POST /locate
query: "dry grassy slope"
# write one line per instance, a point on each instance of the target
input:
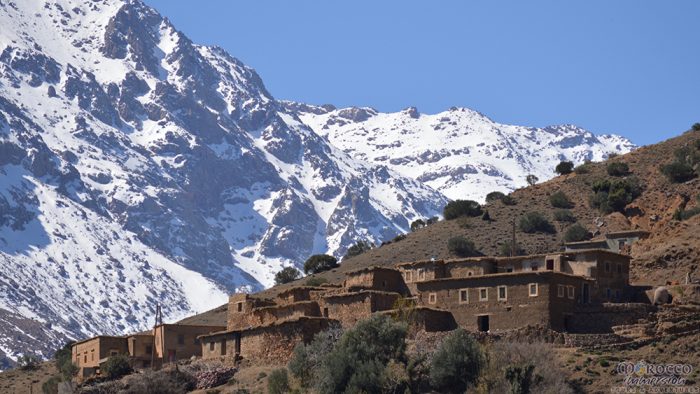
(671, 250)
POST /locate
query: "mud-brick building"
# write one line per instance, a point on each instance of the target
(174, 342)
(90, 353)
(618, 242)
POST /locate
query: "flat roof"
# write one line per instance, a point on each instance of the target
(273, 324)
(101, 336)
(359, 293)
(504, 275)
(370, 268)
(626, 232)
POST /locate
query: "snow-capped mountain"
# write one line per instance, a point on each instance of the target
(459, 152)
(138, 168)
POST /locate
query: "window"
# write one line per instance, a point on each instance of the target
(570, 291)
(223, 347)
(149, 349)
(607, 266)
(432, 298)
(509, 268)
(85, 359)
(534, 291)
(421, 274)
(502, 293)
(469, 273)
(560, 291)
(534, 267)
(608, 292)
(113, 352)
(409, 276)
(618, 295)
(240, 306)
(383, 283)
(619, 268)
(211, 346)
(483, 294)
(463, 296)
(550, 264)
(92, 356)
(180, 339)
(196, 341)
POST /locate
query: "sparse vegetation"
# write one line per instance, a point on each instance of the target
(459, 208)
(357, 249)
(508, 200)
(577, 233)
(432, 220)
(316, 281)
(399, 237)
(417, 224)
(494, 196)
(535, 222)
(64, 362)
(696, 127)
(559, 199)
(116, 366)
(564, 215)
(686, 165)
(613, 196)
(307, 360)
(286, 275)
(584, 168)
(462, 247)
(617, 168)
(509, 249)
(564, 167)
(278, 382)
(486, 216)
(457, 363)
(531, 179)
(28, 362)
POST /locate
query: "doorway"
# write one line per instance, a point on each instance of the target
(482, 322)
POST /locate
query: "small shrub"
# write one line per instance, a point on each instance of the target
(306, 361)
(432, 220)
(399, 237)
(560, 200)
(506, 249)
(685, 214)
(696, 127)
(51, 386)
(458, 208)
(613, 196)
(457, 363)
(564, 215)
(27, 362)
(618, 168)
(418, 224)
(678, 172)
(531, 179)
(116, 366)
(486, 216)
(286, 275)
(495, 196)
(521, 378)
(508, 200)
(462, 247)
(64, 362)
(316, 281)
(278, 382)
(171, 381)
(584, 168)
(576, 233)
(357, 249)
(319, 263)
(564, 167)
(535, 222)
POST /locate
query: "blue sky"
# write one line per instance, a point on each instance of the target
(625, 67)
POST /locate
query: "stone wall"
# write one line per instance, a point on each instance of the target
(271, 314)
(602, 317)
(178, 341)
(375, 278)
(349, 308)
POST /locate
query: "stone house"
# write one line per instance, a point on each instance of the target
(618, 242)
(89, 354)
(174, 342)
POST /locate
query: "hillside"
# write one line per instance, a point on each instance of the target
(668, 254)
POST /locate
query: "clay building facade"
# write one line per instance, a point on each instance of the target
(174, 342)
(89, 354)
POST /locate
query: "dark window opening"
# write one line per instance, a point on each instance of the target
(550, 265)
(180, 339)
(223, 347)
(325, 312)
(149, 349)
(483, 323)
(211, 346)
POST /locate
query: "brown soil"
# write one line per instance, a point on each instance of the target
(26, 381)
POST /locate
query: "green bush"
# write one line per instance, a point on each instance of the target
(531, 179)
(359, 359)
(399, 237)
(507, 248)
(51, 386)
(521, 378)
(278, 382)
(457, 363)
(584, 168)
(564, 167)
(116, 366)
(357, 249)
(306, 361)
(535, 222)
(64, 362)
(170, 381)
(696, 127)
(458, 208)
(486, 216)
(613, 196)
(432, 220)
(462, 247)
(495, 196)
(576, 233)
(319, 263)
(678, 172)
(508, 200)
(618, 168)
(559, 199)
(316, 281)
(564, 215)
(286, 275)
(418, 224)
(685, 214)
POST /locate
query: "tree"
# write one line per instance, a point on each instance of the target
(462, 247)
(584, 168)
(611, 196)
(678, 172)
(576, 233)
(316, 281)
(320, 262)
(486, 216)
(559, 199)
(618, 168)
(286, 275)
(535, 222)
(307, 359)
(696, 127)
(457, 363)
(564, 215)
(278, 382)
(417, 224)
(357, 249)
(494, 196)
(64, 361)
(432, 220)
(521, 378)
(458, 208)
(359, 359)
(531, 179)
(116, 366)
(28, 362)
(564, 167)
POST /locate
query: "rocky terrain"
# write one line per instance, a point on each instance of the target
(138, 168)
